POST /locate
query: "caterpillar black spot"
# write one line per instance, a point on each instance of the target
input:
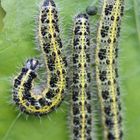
(107, 68)
(81, 111)
(42, 100)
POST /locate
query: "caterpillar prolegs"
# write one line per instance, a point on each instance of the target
(81, 112)
(41, 101)
(107, 68)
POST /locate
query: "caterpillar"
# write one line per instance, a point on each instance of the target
(29, 98)
(81, 111)
(106, 68)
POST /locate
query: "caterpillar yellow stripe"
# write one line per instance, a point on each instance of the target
(81, 111)
(45, 98)
(107, 68)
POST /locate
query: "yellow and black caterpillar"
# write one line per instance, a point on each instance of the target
(106, 68)
(41, 101)
(81, 111)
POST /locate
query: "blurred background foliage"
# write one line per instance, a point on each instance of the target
(17, 43)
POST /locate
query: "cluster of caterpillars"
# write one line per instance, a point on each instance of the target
(40, 101)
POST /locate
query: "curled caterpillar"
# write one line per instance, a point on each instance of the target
(81, 111)
(107, 68)
(41, 101)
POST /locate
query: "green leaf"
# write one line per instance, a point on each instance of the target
(17, 43)
(130, 67)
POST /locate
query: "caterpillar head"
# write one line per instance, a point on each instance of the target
(32, 64)
(82, 15)
(49, 3)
